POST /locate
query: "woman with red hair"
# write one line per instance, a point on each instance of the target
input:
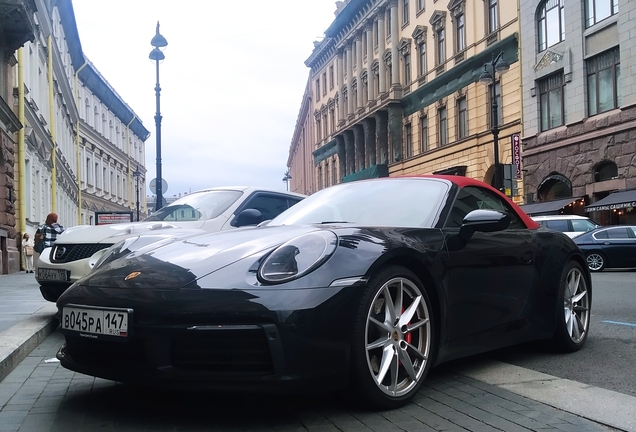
(46, 235)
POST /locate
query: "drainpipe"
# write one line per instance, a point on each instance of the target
(52, 127)
(130, 182)
(78, 150)
(21, 151)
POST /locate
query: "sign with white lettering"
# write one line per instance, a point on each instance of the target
(516, 153)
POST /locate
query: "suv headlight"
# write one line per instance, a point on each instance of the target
(297, 257)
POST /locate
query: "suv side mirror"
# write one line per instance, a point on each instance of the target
(247, 217)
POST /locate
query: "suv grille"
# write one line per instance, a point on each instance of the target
(67, 253)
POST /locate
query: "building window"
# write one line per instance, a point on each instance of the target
(423, 134)
(550, 23)
(605, 171)
(331, 80)
(387, 20)
(408, 140)
(441, 49)
(460, 33)
(603, 82)
(421, 67)
(598, 10)
(332, 119)
(405, 12)
(420, 5)
(551, 101)
(327, 176)
(318, 88)
(462, 118)
(318, 129)
(493, 16)
(442, 126)
(320, 179)
(407, 68)
(324, 83)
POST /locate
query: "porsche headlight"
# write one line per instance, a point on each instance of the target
(297, 257)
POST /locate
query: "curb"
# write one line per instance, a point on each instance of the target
(20, 339)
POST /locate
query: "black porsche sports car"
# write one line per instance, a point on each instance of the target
(363, 286)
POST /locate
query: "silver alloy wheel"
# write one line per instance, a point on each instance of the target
(595, 261)
(398, 337)
(576, 302)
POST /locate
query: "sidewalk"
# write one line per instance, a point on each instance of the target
(480, 395)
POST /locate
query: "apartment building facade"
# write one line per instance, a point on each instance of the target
(395, 90)
(78, 142)
(579, 129)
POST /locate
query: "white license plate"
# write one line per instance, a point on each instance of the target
(54, 275)
(107, 322)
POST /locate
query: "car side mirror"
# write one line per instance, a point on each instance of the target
(484, 221)
(247, 217)
(477, 220)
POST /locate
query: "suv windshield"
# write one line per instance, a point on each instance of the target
(197, 206)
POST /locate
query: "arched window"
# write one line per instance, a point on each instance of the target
(554, 186)
(104, 130)
(87, 110)
(606, 170)
(96, 118)
(550, 23)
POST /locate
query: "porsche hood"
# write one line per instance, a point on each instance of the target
(174, 264)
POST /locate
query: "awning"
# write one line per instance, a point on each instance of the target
(374, 171)
(547, 207)
(614, 201)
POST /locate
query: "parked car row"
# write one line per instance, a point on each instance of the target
(362, 286)
(604, 247)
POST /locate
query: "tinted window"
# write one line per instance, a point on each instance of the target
(270, 206)
(473, 198)
(617, 233)
(601, 235)
(559, 225)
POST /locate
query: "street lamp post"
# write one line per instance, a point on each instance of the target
(498, 66)
(136, 175)
(286, 178)
(157, 55)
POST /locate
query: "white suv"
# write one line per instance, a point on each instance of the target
(572, 225)
(76, 251)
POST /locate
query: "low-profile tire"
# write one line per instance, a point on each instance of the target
(393, 341)
(573, 309)
(595, 261)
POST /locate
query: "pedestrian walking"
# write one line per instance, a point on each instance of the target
(27, 253)
(46, 235)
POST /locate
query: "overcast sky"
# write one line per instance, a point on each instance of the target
(231, 83)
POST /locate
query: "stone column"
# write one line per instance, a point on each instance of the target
(368, 125)
(395, 131)
(395, 64)
(382, 138)
(350, 152)
(342, 158)
(381, 48)
(359, 98)
(358, 139)
(340, 77)
(369, 30)
(349, 77)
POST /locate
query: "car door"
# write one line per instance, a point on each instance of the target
(618, 244)
(489, 280)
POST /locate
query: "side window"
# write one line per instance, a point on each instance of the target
(475, 198)
(582, 225)
(269, 205)
(559, 225)
(618, 233)
(600, 235)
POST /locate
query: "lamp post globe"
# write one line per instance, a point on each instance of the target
(158, 42)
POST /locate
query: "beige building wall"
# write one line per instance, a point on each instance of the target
(364, 101)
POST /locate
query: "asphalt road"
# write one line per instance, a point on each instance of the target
(608, 358)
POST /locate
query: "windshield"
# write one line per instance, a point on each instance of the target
(395, 202)
(197, 206)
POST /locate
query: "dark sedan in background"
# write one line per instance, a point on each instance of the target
(362, 286)
(609, 247)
